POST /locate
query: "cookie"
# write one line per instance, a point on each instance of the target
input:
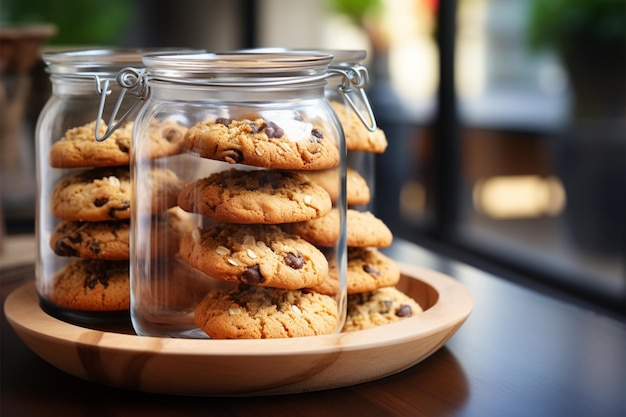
(160, 186)
(108, 240)
(79, 148)
(357, 190)
(162, 138)
(363, 229)
(294, 145)
(94, 195)
(358, 137)
(104, 194)
(166, 230)
(368, 270)
(92, 285)
(249, 312)
(261, 255)
(257, 196)
(377, 308)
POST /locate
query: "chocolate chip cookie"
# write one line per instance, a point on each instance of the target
(357, 190)
(256, 196)
(161, 138)
(92, 285)
(249, 312)
(102, 194)
(363, 229)
(379, 307)
(79, 148)
(368, 269)
(108, 240)
(358, 137)
(95, 195)
(260, 255)
(291, 144)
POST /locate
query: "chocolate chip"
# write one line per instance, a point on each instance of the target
(94, 247)
(294, 261)
(124, 206)
(97, 277)
(123, 146)
(77, 238)
(316, 133)
(388, 304)
(233, 156)
(404, 311)
(63, 249)
(371, 270)
(252, 276)
(99, 202)
(172, 135)
(272, 130)
(223, 121)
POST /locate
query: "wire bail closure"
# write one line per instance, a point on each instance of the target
(130, 79)
(133, 80)
(356, 77)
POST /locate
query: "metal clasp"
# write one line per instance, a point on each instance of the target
(356, 78)
(130, 79)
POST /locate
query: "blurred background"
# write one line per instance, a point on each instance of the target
(505, 118)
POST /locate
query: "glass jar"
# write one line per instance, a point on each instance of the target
(83, 187)
(363, 138)
(255, 248)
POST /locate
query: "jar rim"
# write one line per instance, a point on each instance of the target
(235, 65)
(340, 56)
(101, 61)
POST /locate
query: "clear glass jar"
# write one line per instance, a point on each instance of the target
(83, 188)
(363, 138)
(242, 263)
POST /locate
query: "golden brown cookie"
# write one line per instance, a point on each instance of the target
(256, 196)
(108, 240)
(263, 143)
(358, 137)
(162, 138)
(363, 229)
(95, 195)
(249, 312)
(92, 285)
(80, 149)
(160, 186)
(102, 194)
(357, 190)
(383, 306)
(368, 269)
(261, 255)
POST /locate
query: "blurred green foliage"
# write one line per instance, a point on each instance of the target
(560, 24)
(78, 22)
(356, 10)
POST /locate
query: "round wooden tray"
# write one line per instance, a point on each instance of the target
(246, 367)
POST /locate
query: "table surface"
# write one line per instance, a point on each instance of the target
(520, 353)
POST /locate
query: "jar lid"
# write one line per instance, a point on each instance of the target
(92, 61)
(236, 67)
(340, 56)
(105, 62)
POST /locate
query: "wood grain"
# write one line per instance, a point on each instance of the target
(246, 367)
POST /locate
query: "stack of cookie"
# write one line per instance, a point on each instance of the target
(91, 205)
(373, 299)
(243, 240)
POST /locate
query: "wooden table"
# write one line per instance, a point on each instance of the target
(520, 353)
